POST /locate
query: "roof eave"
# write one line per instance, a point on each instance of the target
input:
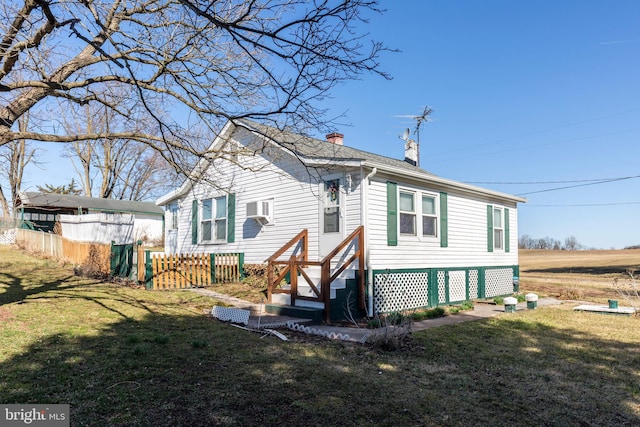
(323, 163)
(459, 186)
(170, 197)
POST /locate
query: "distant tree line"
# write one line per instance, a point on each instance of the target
(570, 243)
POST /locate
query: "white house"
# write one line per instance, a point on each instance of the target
(422, 240)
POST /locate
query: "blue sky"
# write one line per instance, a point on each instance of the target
(522, 92)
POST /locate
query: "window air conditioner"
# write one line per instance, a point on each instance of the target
(260, 211)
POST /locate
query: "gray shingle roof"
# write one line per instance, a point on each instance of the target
(310, 149)
(52, 200)
(317, 149)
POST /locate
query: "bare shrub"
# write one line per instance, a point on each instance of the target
(255, 275)
(350, 307)
(259, 270)
(393, 331)
(93, 265)
(572, 293)
(629, 290)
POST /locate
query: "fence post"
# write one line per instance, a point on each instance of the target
(139, 257)
(148, 274)
(213, 268)
(241, 265)
(112, 259)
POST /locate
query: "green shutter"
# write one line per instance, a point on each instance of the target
(489, 228)
(444, 221)
(194, 222)
(506, 230)
(231, 218)
(392, 214)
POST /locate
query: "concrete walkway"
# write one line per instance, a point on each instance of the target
(266, 320)
(480, 311)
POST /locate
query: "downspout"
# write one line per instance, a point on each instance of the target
(365, 220)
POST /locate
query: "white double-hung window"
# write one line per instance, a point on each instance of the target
(498, 229)
(407, 213)
(411, 212)
(213, 223)
(429, 216)
(172, 224)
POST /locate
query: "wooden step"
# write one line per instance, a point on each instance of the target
(311, 313)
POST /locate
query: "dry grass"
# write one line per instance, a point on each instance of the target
(587, 275)
(249, 290)
(122, 356)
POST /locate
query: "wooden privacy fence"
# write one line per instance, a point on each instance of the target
(164, 271)
(95, 256)
(92, 256)
(155, 270)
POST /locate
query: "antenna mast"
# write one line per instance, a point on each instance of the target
(419, 121)
(424, 117)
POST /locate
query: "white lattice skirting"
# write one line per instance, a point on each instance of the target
(406, 290)
(8, 237)
(400, 291)
(230, 314)
(498, 281)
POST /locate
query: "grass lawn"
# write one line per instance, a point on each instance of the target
(122, 356)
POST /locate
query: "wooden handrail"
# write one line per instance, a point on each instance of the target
(273, 260)
(327, 277)
(300, 236)
(293, 264)
(344, 243)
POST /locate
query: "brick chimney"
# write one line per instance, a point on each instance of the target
(335, 138)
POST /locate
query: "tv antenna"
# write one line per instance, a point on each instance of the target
(420, 120)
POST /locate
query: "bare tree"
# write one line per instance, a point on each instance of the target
(115, 168)
(526, 242)
(182, 62)
(4, 205)
(572, 244)
(14, 158)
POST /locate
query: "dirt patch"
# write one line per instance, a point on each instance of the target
(5, 314)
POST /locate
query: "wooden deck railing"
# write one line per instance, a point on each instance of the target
(327, 277)
(297, 261)
(275, 275)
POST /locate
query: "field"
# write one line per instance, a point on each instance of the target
(586, 275)
(123, 356)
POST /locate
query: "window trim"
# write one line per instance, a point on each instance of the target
(498, 243)
(172, 224)
(505, 216)
(418, 214)
(434, 215)
(213, 220)
(413, 214)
